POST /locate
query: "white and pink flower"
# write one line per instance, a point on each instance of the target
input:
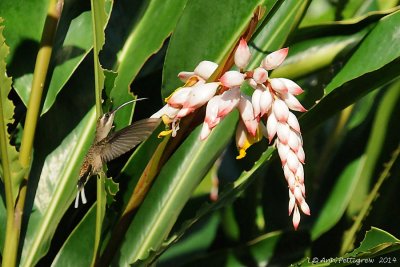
(267, 112)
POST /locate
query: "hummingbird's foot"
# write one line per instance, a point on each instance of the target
(81, 192)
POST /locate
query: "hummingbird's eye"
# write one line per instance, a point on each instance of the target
(107, 115)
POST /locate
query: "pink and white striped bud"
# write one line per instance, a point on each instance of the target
(185, 75)
(272, 125)
(260, 75)
(265, 102)
(296, 217)
(292, 87)
(212, 118)
(205, 69)
(179, 97)
(167, 110)
(281, 110)
(198, 96)
(293, 141)
(228, 101)
(217, 108)
(273, 60)
(247, 114)
(278, 86)
(205, 131)
(242, 54)
(255, 101)
(293, 122)
(283, 151)
(292, 102)
(283, 132)
(232, 79)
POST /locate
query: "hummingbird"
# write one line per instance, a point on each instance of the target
(106, 146)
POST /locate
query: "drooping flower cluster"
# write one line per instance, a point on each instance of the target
(266, 113)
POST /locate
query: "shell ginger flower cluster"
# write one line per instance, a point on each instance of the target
(267, 112)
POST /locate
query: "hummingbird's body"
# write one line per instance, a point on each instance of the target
(107, 146)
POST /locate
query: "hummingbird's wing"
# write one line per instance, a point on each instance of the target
(127, 138)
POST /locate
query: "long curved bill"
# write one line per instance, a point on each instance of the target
(126, 103)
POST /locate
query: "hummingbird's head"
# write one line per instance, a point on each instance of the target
(105, 122)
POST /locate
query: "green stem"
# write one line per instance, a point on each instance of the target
(14, 216)
(351, 233)
(98, 24)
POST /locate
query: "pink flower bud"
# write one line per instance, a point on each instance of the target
(260, 75)
(212, 112)
(273, 60)
(272, 124)
(305, 208)
(292, 161)
(240, 135)
(283, 132)
(300, 174)
(293, 122)
(301, 155)
(292, 202)
(265, 102)
(293, 141)
(232, 79)
(185, 75)
(247, 114)
(198, 96)
(293, 103)
(255, 101)
(298, 194)
(278, 86)
(242, 54)
(296, 218)
(205, 131)
(167, 110)
(292, 87)
(288, 174)
(179, 97)
(283, 151)
(205, 69)
(280, 110)
(228, 101)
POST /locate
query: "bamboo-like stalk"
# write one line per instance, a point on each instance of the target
(14, 216)
(98, 22)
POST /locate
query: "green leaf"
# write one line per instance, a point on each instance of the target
(112, 189)
(77, 44)
(171, 190)
(225, 198)
(349, 91)
(312, 55)
(376, 242)
(203, 33)
(276, 28)
(56, 189)
(145, 39)
(339, 198)
(370, 56)
(16, 14)
(3, 222)
(360, 170)
(11, 168)
(78, 248)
